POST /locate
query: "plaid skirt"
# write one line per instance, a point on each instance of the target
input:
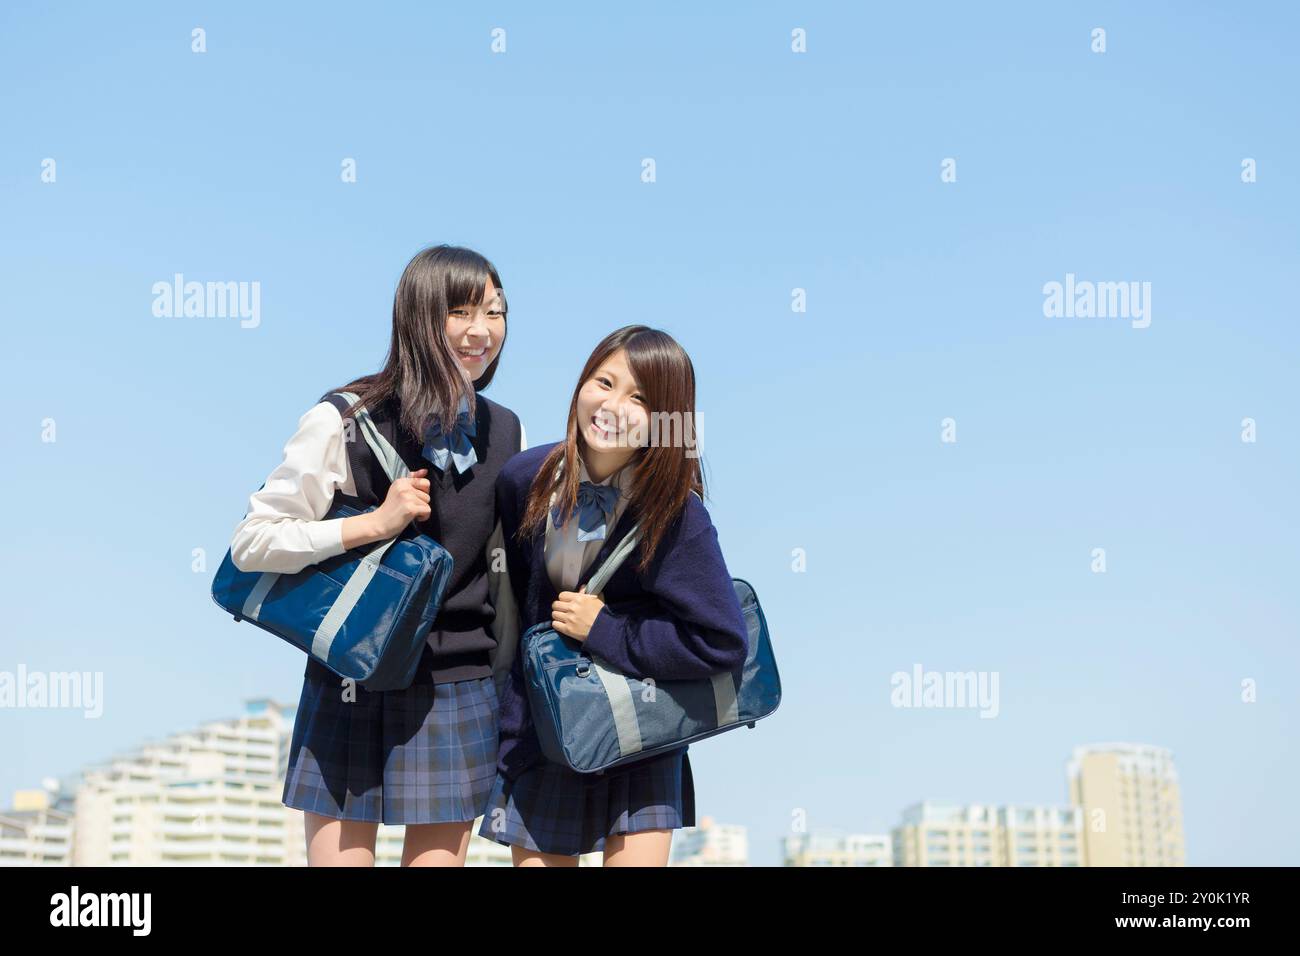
(550, 809)
(425, 754)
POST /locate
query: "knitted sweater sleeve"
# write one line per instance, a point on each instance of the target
(692, 625)
(518, 746)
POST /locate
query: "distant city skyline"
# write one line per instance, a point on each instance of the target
(211, 796)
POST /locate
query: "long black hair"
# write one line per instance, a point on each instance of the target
(422, 372)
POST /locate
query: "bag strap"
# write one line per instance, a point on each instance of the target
(618, 690)
(618, 556)
(366, 569)
(368, 566)
(614, 561)
(387, 455)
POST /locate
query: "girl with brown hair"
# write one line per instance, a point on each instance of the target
(669, 612)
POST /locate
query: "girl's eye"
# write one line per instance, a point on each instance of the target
(496, 313)
(456, 312)
(640, 398)
(603, 381)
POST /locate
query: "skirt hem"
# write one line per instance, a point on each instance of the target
(519, 840)
(366, 818)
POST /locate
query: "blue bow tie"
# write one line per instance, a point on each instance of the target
(595, 510)
(439, 446)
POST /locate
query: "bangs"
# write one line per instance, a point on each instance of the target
(660, 368)
(464, 280)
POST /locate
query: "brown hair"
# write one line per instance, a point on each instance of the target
(422, 371)
(664, 476)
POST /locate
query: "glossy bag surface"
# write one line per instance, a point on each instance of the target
(365, 614)
(379, 640)
(589, 717)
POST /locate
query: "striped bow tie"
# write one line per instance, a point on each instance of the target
(595, 510)
(441, 446)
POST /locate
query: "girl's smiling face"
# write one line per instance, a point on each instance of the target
(612, 413)
(477, 331)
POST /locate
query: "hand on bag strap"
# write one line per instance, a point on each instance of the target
(368, 566)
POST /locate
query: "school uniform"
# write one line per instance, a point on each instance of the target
(681, 619)
(426, 753)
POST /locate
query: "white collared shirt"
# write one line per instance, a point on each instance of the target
(566, 557)
(285, 529)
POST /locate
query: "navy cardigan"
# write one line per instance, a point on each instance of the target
(681, 619)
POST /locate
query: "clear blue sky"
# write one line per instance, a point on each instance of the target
(775, 171)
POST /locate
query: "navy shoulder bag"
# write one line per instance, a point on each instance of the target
(365, 614)
(590, 717)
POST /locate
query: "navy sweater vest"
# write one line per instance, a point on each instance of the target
(464, 516)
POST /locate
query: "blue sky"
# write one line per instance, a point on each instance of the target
(821, 429)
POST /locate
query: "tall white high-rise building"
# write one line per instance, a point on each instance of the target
(1132, 806)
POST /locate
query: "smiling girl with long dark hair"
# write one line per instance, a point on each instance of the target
(423, 756)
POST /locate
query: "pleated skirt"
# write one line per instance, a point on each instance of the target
(550, 809)
(425, 754)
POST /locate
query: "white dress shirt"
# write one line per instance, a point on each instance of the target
(285, 529)
(566, 557)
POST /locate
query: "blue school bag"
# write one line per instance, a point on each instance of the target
(590, 717)
(365, 614)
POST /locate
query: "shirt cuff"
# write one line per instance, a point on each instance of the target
(326, 538)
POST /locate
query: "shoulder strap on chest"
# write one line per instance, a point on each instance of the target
(380, 446)
(619, 555)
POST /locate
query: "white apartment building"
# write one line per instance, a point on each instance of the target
(710, 844)
(824, 849)
(1131, 803)
(945, 834)
(37, 831)
(211, 797)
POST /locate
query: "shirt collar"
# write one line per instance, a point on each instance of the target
(621, 479)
